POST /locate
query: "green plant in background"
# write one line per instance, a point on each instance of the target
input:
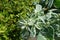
(56, 3)
(50, 4)
(10, 12)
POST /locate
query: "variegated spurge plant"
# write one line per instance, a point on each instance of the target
(40, 25)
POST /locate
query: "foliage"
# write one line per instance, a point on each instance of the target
(56, 3)
(19, 20)
(10, 11)
(47, 24)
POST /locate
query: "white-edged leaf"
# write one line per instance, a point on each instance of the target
(41, 37)
(38, 8)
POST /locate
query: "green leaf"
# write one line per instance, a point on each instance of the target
(57, 3)
(41, 37)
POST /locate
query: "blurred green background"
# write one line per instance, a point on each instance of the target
(10, 12)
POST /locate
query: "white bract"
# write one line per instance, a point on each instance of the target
(38, 8)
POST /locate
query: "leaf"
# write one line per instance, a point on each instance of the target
(57, 3)
(38, 8)
(41, 37)
(33, 32)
